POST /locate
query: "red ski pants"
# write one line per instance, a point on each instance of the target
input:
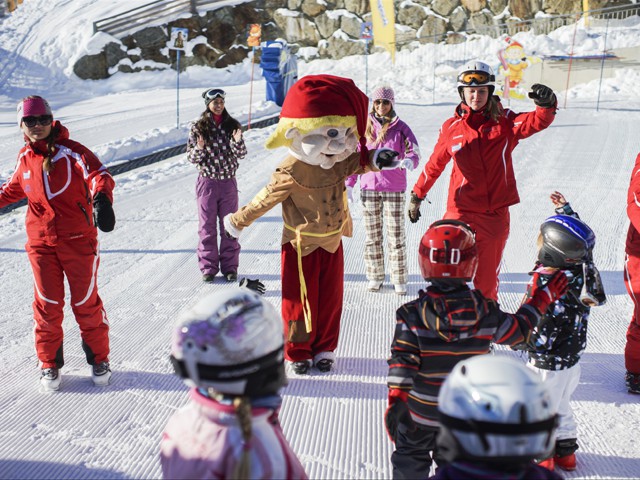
(78, 260)
(492, 231)
(324, 278)
(632, 282)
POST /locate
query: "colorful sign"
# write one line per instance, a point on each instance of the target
(366, 30)
(253, 37)
(178, 38)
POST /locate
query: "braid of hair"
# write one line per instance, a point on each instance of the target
(242, 407)
(47, 165)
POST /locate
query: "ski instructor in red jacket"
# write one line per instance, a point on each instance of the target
(480, 138)
(69, 193)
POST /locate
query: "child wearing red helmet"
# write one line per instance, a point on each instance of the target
(447, 323)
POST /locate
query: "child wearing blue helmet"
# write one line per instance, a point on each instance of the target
(557, 342)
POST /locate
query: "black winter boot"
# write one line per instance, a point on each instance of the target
(633, 382)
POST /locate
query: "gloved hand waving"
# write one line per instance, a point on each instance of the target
(544, 295)
(103, 215)
(542, 95)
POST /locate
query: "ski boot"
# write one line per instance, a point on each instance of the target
(50, 379)
(547, 463)
(568, 462)
(565, 457)
(324, 365)
(301, 367)
(101, 374)
(632, 381)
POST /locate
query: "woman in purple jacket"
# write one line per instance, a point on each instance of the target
(383, 193)
(215, 145)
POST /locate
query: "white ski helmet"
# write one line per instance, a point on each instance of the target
(476, 74)
(494, 409)
(231, 341)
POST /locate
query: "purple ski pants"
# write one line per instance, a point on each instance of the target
(216, 198)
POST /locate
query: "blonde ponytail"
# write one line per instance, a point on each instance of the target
(242, 407)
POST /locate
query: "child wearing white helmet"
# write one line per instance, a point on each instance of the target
(496, 416)
(229, 348)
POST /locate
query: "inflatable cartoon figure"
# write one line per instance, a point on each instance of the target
(323, 119)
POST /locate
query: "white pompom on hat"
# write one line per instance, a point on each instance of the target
(32, 106)
(383, 92)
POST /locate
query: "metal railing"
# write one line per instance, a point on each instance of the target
(154, 13)
(151, 158)
(544, 25)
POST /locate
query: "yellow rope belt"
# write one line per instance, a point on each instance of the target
(306, 309)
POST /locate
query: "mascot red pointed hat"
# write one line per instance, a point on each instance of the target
(315, 101)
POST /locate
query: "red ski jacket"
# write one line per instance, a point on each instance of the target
(482, 179)
(633, 211)
(59, 202)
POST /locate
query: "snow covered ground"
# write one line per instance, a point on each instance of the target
(148, 271)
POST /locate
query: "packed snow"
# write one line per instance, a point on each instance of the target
(148, 272)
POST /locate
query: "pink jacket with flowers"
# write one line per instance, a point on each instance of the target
(60, 203)
(203, 441)
(400, 138)
(482, 179)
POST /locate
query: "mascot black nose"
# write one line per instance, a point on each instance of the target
(332, 133)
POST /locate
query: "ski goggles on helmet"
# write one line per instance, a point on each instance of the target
(475, 77)
(42, 120)
(214, 93)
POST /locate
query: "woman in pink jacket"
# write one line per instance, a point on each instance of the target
(383, 193)
(69, 193)
(480, 138)
(230, 348)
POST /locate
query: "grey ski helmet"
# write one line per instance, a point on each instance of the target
(566, 241)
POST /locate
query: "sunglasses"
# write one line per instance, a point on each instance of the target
(476, 77)
(214, 93)
(43, 120)
(383, 102)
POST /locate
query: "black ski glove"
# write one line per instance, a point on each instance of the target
(103, 215)
(542, 96)
(255, 285)
(414, 208)
(385, 158)
(398, 414)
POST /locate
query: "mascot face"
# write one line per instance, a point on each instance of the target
(324, 146)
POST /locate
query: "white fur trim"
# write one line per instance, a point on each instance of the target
(324, 355)
(230, 227)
